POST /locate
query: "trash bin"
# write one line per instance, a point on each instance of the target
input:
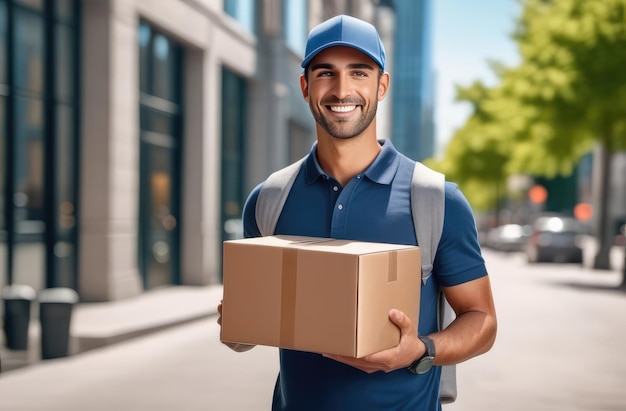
(16, 318)
(55, 315)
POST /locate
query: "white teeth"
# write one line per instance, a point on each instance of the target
(342, 109)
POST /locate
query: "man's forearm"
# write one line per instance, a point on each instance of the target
(470, 334)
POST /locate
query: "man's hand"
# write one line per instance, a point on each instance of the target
(233, 346)
(402, 355)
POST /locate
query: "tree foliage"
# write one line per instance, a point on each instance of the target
(568, 92)
(572, 72)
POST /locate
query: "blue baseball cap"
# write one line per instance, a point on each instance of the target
(345, 31)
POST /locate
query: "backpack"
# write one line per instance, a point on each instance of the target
(427, 209)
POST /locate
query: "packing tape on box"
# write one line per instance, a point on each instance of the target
(288, 297)
(288, 292)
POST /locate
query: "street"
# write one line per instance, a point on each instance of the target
(560, 347)
(560, 341)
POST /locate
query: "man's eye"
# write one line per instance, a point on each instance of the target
(360, 74)
(325, 74)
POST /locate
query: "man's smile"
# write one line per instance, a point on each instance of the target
(342, 109)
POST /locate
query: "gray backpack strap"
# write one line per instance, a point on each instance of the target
(273, 195)
(428, 209)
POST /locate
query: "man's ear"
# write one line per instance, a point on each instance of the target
(383, 86)
(304, 86)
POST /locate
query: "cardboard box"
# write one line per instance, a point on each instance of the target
(319, 295)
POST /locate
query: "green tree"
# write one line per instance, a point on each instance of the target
(572, 74)
(567, 94)
(476, 155)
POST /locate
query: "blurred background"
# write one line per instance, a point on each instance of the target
(132, 131)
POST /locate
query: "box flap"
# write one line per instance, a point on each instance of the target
(327, 245)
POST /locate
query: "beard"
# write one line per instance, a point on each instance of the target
(345, 128)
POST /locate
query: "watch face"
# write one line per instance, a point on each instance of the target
(424, 365)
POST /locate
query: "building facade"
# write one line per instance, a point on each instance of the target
(413, 130)
(131, 132)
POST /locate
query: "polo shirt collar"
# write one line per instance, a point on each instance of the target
(381, 171)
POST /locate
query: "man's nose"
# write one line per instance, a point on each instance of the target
(343, 87)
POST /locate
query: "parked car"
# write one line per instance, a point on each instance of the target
(508, 237)
(556, 239)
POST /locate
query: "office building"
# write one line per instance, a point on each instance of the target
(131, 132)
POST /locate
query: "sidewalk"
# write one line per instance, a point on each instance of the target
(96, 325)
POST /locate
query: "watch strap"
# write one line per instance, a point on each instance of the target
(425, 362)
(430, 346)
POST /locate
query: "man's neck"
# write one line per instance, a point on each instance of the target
(344, 159)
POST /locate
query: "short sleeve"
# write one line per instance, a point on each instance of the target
(459, 258)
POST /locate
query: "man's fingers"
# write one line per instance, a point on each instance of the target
(401, 320)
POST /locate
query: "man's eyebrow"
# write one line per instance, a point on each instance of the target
(361, 66)
(328, 66)
(323, 66)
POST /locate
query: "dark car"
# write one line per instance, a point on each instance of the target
(555, 239)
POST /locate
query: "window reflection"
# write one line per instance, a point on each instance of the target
(64, 10)
(164, 66)
(64, 64)
(242, 11)
(34, 4)
(30, 53)
(3, 50)
(2, 167)
(65, 176)
(3, 234)
(144, 56)
(234, 100)
(295, 23)
(29, 169)
(159, 70)
(32, 33)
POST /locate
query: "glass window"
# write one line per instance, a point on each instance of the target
(2, 166)
(64, 63)
(3, 129)
(29, 72)
(41, 206)
(162, 216)
(29, 248)
(65, 152)
(157, 122)
(3, 42)
(64, 10)
(165, 68)
(62, 249)
(65, 219)
(234, 102)
(242, 11)
(295, 23)
(145, 33)
(160, 59)
(29, 161)
(33, 4)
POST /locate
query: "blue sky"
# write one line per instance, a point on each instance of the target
(466, 35)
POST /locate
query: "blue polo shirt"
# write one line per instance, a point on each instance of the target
(373, 206)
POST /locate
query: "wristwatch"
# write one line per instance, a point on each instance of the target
(425, 362)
